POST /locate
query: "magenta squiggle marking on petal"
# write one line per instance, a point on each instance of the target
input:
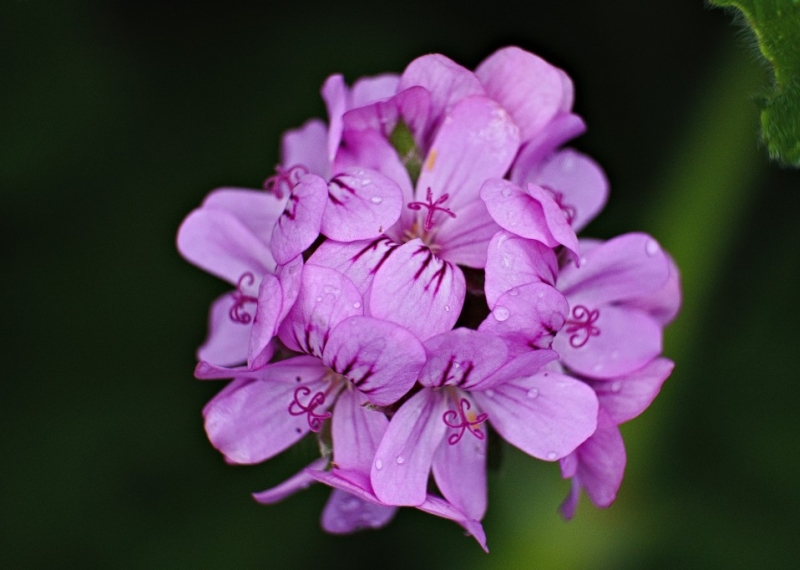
(237, 312)
(296, 408)
(292, 203)
(433, 207)
(284, 179)
(451, 416)
(582, 328)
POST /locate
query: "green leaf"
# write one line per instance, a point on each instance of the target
(776, 24)
(403, 142)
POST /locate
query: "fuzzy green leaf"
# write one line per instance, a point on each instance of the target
(776, 24)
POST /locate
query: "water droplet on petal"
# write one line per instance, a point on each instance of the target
(356, 305)
(616, 386)
(597, 367)
(501, 313)
(651, 248)
(349, 504)
(330, 289)
(552, 455)
(378, 464)
(376, 199)
(489, 393)
(447, 308)
(513, 292)
(506, 192)
(319, 299)
(365, 181)
(456, 365)
(568, 163)
(533, 393)
(400, 460)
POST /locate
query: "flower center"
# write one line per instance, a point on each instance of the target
(237, 312)
(463, 419)
(581, 326)
(284, 179)
(432, 207)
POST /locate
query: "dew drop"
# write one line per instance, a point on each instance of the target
(349, 504)
(651, 248)
(568, 163)
(513, 292)
(541, 295)
(616, 386)
(376, 199)
(319, 299)
(400, 460)
(378, 464)
(506, 192)
(456, 365)
(552, 455)
(365, 181)
(447, 308)
(490, 393)
(330, 289)
(501, 313)
(533, 393)
(356, 305)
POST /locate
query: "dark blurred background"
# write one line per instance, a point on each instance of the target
(116, 118)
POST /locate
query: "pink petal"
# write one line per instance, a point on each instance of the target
(629, 266)
(460, 472)
(527, 317)
(560, 130)
(257, 210)
(663, 305)
(417, 290)
(345, 513)
(622, 341)
(528, 87)
(367, 90)
(461, 357)
(334, 92)
(216, 241)
(601, 465)
(359, 261)
(307, 146)
(249, 420)
(465, 239)
(514, 261)
(403, 459)
(446, 81)
(626, 397)
(380, 358)
(579, 182)
(546, 415)
(293, 484)
(326, 298)
(266, 321)
(362, 204)
(524, 365)
(357, 430)
(531, 214)
(477, 141)
(441, 508)
(227, 340)
(299, 225)
(412, 106)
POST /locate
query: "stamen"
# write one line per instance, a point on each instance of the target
(237, 313)
(582, 327)
(450, 418)
(433, 207)
(296, 408)
(284, 179)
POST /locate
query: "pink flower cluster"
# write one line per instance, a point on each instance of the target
(410, 278)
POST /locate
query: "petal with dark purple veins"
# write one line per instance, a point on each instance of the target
(361, 205)
(464, 240)
(381, 358)
(326, 298)
(461, 357)
(416, 289)
(299, 225)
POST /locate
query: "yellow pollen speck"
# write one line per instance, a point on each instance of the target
(471, 417)
(431, 160)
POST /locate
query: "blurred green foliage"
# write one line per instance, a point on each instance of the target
(117, 118)
(776, 25)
